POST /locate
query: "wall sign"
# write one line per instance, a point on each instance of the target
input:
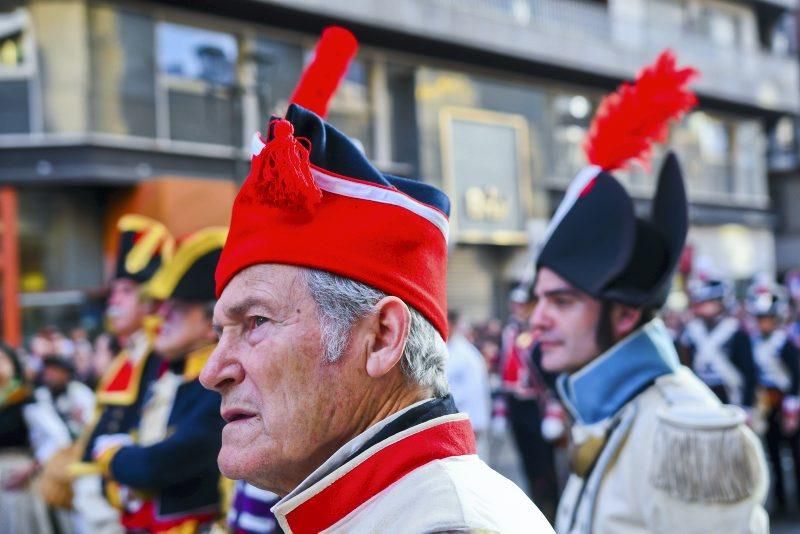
(486, 162)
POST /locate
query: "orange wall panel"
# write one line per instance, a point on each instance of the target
(184, 205)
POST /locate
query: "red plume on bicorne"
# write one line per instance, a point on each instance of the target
(634, 117)
(335, 49)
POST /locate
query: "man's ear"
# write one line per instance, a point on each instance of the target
(390, 324)
(624, 320)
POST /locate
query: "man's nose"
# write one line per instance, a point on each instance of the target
(540, 319)
(223, 368)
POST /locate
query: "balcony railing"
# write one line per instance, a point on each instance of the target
(543, 15)
(587, 36)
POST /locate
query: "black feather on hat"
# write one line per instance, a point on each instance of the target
(595, 241)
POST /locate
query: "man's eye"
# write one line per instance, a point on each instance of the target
(257, 320)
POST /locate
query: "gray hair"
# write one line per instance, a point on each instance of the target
(341, 302)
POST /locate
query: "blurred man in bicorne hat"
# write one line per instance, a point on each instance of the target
(143, 245)
(167, 478)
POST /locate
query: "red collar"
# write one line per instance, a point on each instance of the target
(331, 499)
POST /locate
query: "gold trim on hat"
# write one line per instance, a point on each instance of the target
(197, 245)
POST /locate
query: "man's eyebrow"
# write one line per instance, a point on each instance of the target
(561, 292)
(241, 308)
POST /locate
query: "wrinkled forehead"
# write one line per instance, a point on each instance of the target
(267, 283)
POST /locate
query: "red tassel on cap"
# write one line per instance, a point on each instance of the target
(332, 56)
(281, 172)
(630, 120)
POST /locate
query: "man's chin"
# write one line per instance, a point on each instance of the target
(554, 361)
(235, 465)
(230, 463)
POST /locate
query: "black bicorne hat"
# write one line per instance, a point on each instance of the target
(189, 275)
(603, 249)
(595, 241)
(144, 244)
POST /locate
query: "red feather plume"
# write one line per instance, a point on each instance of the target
(634, 117)
(335, 49)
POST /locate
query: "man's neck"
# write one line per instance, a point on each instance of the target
(374, 407)
(392, 405)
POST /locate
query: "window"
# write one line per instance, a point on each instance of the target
(350, 108)
(16, 69)
(572, 116)
(750, 154)
(190, 53)
(278, 68)
(122, 85)
(11, 54)
(725, 26)
(60, 236)
(704, 144)
(403, 120)
(783, 146)
(783, 35)
(198, 76)
(723, 158)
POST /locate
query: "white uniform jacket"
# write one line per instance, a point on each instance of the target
(670, 459)
(414, 472)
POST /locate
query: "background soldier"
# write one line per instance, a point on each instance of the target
(168, 479)
(468, 379)
(72, 400)
(778, 363)
(716, 347)
(143, 245)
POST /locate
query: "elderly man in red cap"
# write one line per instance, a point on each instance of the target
(332, 317)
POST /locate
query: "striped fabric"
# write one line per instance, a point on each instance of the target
(250, 512)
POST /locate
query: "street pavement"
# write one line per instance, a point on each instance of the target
(502, 456)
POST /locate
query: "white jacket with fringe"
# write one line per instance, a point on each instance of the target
(674, 461)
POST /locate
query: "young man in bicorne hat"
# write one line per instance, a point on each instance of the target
(654, 449)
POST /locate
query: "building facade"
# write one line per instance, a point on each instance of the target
(489, 99)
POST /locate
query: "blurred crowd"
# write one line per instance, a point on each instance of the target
(745, 348)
